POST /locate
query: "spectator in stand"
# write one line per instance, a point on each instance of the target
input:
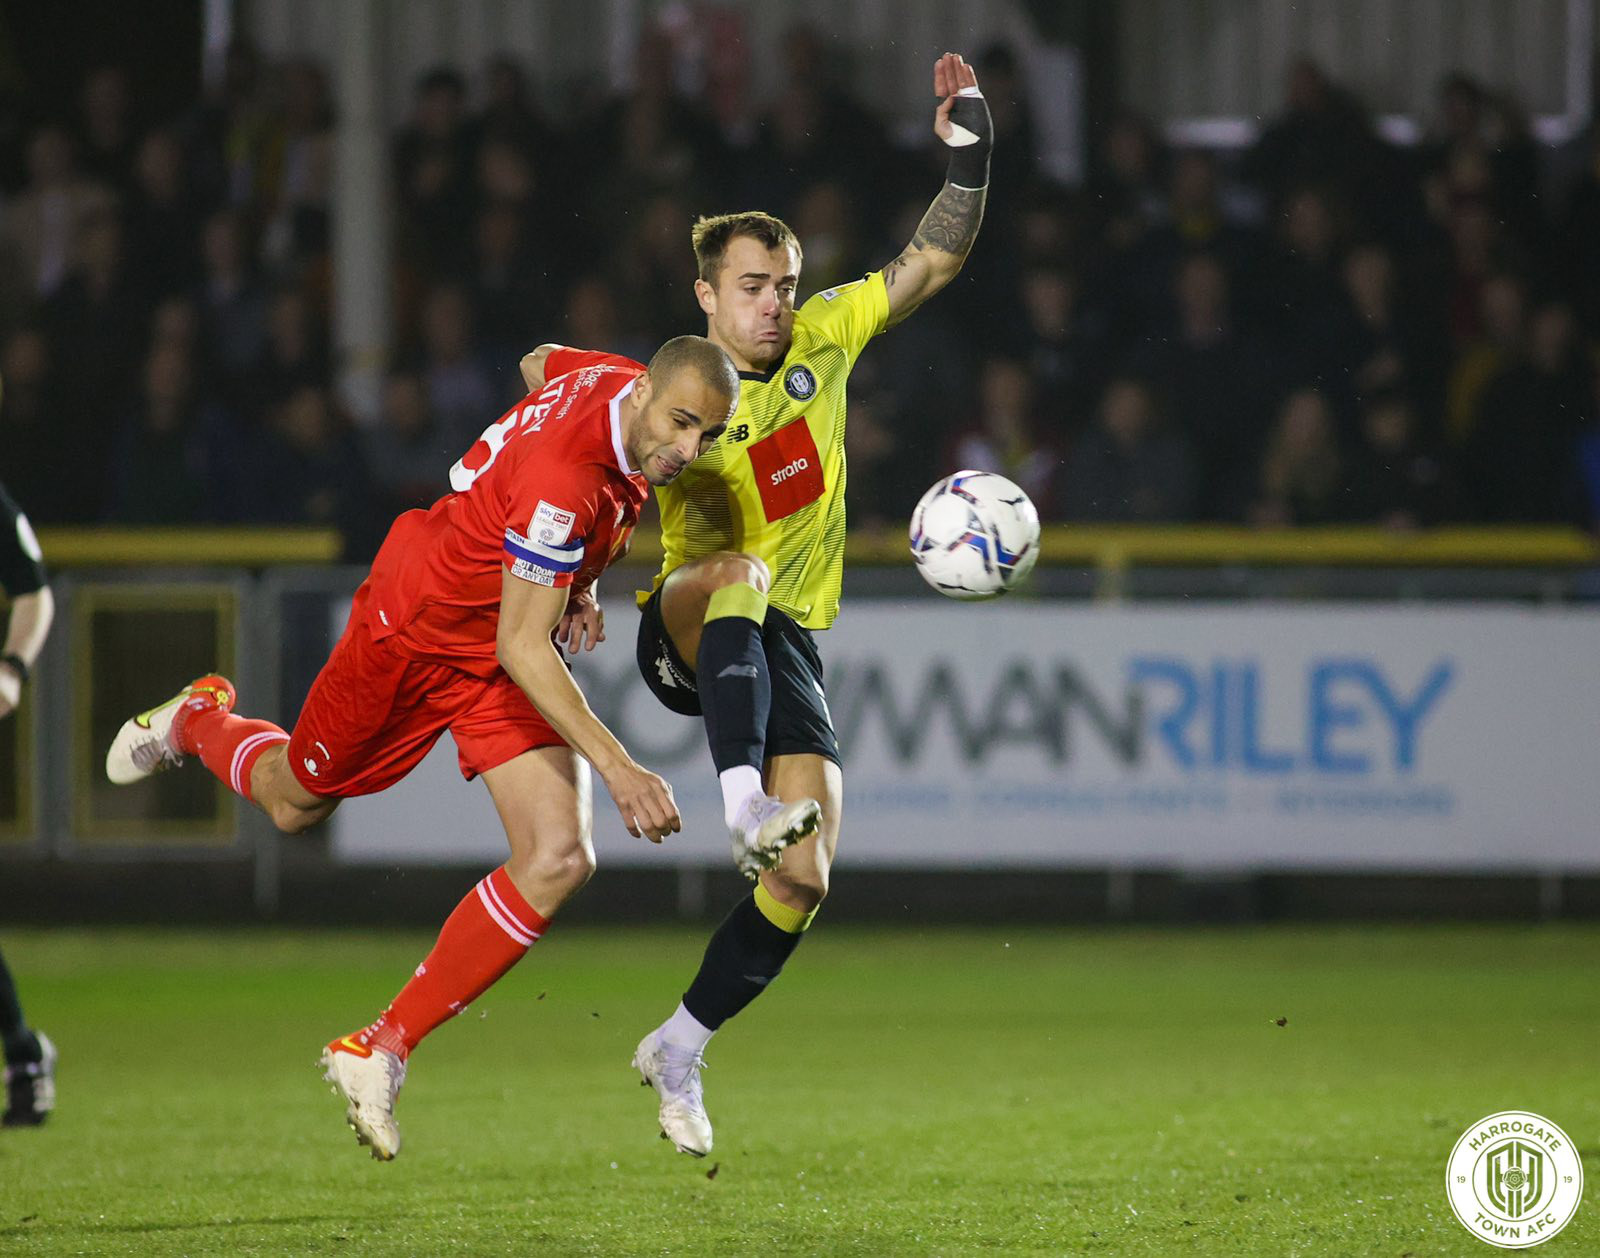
(1580, 228)
(510, 114)
(1004, 439)
(933, 361)
(407, 453)
(233, 308)
(1503, 323)
(1014, 166)
(1065, 342)
(1217, 380)
(885, 479)
(1379, 348)
(1194, 221)
(229, 133)
(36, 442)
(658, 271)
(1475, 255)
(1475, 130)
(295, 354)
(1127, 188)
(1521, 459)
(176, 324)
(510, 283)
(41, 226)
(505, 177)
(994, 267)
(590, 318)
(1396, 479)
(161, 221)
(1303, 297)
(1130, 468)
(297, 174)
(1322, 138)
(107, 138)
(95, 322)
(464, 398)
(655, 137)
(161, 464)
(311, 472)
(816, 128)
(834, 253)
(509, 183)
(1047, 227)
(1302, 478)
(434, 168)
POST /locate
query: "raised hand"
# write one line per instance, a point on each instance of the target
(950, 75)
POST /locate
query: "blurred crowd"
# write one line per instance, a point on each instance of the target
(1322, 328)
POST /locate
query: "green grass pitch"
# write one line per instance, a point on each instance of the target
(898, 1092)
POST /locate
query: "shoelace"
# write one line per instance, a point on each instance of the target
(757, 811)
(687, 1066)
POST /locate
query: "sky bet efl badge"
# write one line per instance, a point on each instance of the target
(1514, 1179)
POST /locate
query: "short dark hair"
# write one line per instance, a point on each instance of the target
(711, 237)
(700, 355)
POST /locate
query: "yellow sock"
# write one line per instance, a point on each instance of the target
(737, 599)
(790, 921)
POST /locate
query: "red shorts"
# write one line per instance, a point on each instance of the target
(373, 714)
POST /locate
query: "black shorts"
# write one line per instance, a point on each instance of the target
(798, 723)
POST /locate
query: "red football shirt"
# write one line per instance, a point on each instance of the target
(545, 492)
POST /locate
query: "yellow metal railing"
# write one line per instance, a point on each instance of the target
(230, 547)
(1108, 547)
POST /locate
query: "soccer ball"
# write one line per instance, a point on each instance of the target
(974, 535)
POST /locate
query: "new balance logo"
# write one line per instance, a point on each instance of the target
(739, 432)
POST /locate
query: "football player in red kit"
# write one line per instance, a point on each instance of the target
(457, 627)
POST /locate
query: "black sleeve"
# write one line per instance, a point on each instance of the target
(21, 564)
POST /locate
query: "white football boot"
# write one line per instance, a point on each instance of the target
(31, 1088)
(369, 1079)
(765, 826)
(148, 743)
(675, 1074)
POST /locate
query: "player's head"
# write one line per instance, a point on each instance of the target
(749, 267)
(680, 406)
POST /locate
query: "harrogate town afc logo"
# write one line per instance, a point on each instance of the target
(800, 383)
(1514, 1179)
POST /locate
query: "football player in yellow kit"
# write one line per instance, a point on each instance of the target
(754, 536)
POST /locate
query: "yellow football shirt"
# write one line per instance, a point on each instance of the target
(773, 485)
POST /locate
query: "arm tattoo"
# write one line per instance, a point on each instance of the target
(892, 271)
(951, 223)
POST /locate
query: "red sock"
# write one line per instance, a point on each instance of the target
(487, 934)
(228, 745)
